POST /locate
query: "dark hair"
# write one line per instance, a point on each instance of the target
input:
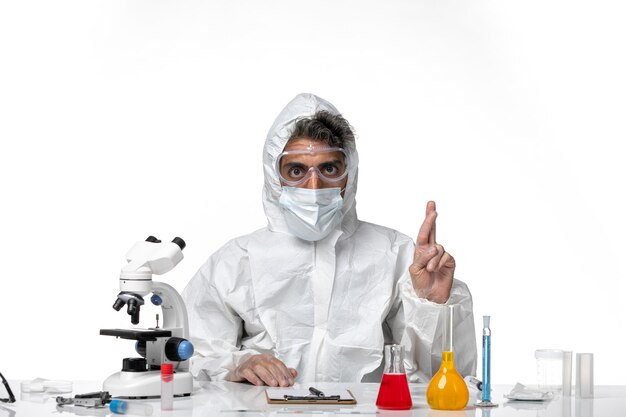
(327, 127)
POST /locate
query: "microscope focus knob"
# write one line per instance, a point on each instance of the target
(134, 365)
(140, 347)
(156, 300)
(178, 349)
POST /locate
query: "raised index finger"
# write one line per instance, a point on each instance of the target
(432, 207)
(426, 235)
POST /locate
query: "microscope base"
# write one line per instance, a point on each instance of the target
(145, 384)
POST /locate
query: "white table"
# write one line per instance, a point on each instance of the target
(225, 399)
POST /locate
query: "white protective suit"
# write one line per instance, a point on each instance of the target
(325, 308)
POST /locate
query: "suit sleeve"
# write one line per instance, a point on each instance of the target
(216, 328)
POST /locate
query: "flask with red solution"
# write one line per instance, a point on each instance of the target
(394, 391)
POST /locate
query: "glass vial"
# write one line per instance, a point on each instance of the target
(167, 386)
(394, 391)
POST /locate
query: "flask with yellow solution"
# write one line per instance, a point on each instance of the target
(447, 389)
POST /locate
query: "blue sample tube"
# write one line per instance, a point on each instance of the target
(127, 407)
(486, 397)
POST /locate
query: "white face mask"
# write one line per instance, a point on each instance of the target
(311, 214)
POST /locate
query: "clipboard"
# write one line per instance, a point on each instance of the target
(304, 396)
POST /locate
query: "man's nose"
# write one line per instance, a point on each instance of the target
(314, 182)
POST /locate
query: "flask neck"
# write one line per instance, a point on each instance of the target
(448, 326)
(394, 359)
(447, 359)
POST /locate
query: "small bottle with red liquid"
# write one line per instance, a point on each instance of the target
(394, 391)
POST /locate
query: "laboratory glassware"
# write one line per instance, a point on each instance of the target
(167, 386)
(447, 389)
(567, 373)
(584, 375)
(394, 391)
(486, 384)
(549, 369)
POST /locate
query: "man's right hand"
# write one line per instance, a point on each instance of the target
(263, 369)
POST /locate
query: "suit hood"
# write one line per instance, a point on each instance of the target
(301, 107)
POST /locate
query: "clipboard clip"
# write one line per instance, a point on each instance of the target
(316, 395)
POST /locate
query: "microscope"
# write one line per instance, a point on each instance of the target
(140, 377)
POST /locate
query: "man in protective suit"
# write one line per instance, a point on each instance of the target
(317, 293)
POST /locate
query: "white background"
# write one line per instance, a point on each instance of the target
(121, 119)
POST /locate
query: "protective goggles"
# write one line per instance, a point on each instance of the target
(297, 166)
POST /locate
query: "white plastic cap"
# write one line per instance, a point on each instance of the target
(486, 320)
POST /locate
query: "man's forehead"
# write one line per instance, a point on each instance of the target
(305, 144)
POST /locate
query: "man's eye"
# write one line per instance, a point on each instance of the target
(296, 172)
(330, 170)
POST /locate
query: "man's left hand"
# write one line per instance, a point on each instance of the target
(432, 271)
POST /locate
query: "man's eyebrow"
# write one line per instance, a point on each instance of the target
(334, 161)
(297, 161)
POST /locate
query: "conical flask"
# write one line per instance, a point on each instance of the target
(394, 391)
(447, 389)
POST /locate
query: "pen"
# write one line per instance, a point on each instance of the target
(315, 391)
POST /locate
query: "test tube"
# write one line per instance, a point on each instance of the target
(567, 373)
(584, 375)
(167, 386)
(127, 407)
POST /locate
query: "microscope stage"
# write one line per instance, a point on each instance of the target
(136, 334)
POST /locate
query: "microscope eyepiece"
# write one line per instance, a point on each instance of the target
(180, 242)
